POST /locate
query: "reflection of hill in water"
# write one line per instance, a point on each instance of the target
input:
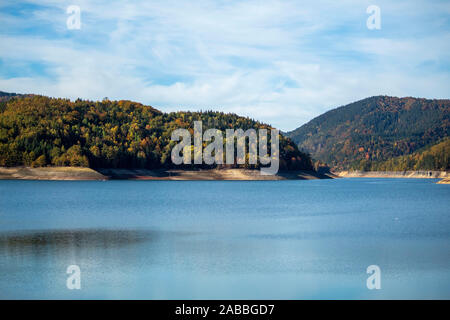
(41, 240)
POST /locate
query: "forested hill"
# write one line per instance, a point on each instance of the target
(42, 131)
(435, 157)
(372, 130)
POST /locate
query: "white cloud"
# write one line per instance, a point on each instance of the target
(281, 62)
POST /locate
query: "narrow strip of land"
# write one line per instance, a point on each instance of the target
(78, 173)
(50, 173)
(444, 181)
(393, 174)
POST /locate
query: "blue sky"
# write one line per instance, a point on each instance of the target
(282, 62)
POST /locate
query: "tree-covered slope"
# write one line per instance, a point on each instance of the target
(434, 157)
(373, 130)
(41, 131)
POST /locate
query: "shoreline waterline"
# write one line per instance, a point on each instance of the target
(83, 173)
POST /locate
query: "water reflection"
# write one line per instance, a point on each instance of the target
(24, 242)
(277, 240)
(33, 263)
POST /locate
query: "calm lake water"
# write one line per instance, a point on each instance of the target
(225, 239)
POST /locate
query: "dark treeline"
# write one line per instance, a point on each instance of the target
(42, 131)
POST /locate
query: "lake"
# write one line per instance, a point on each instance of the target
(225, 239)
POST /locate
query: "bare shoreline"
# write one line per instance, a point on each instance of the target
(444, 181)
(423, 174)
(80, 173)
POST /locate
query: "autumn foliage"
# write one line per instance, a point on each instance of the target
(42, 131)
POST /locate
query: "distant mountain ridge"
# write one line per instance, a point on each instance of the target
(374, 129)
(5, 96)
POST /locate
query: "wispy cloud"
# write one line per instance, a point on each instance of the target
(283, 62)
